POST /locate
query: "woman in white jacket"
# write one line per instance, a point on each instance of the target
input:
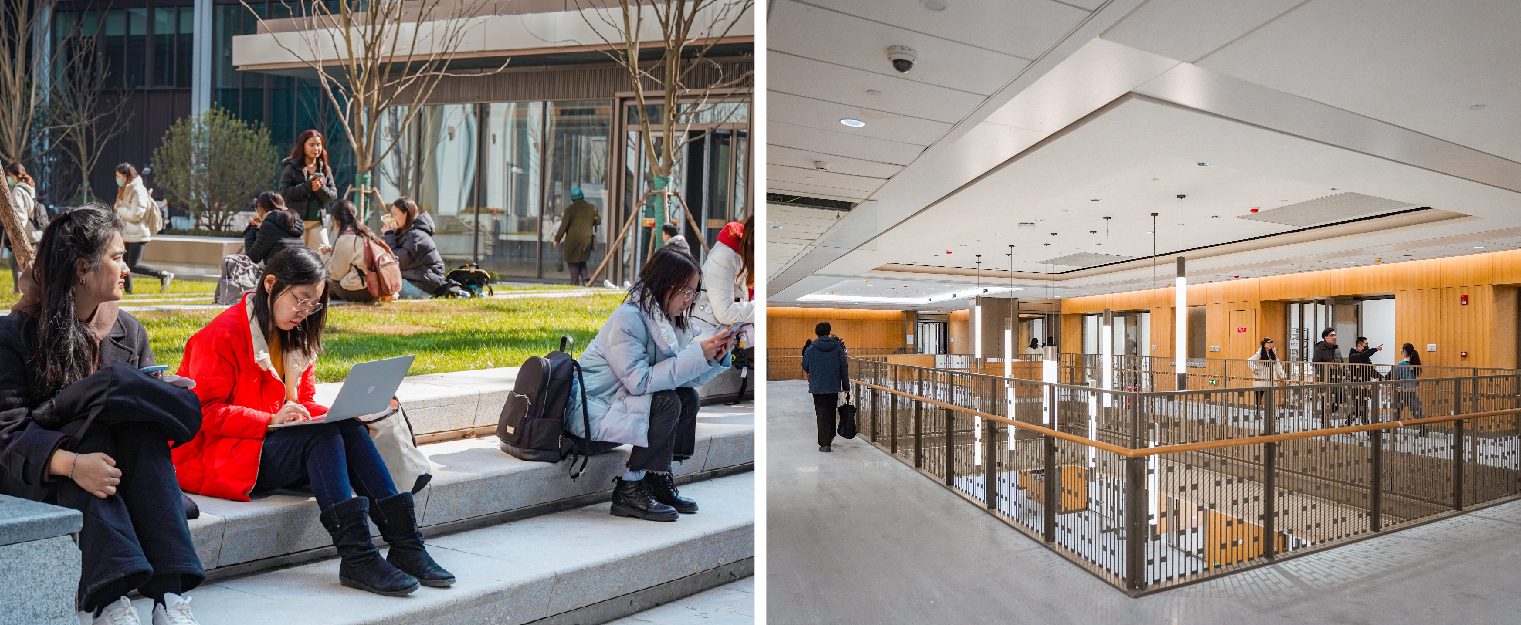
(132, 204)
(1266, 368)
(728, 279)
(24, 200)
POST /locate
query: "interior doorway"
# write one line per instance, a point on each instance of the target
(931, 337)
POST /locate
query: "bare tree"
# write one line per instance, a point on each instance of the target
(22, 96)
(688, 31)
(84, 120)
(372, 56)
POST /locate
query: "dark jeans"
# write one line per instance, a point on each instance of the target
(136, 539)
(134, 259)
(1403, 399)
(578, 273)
(338, 460)
(673, 431)
(825, 407)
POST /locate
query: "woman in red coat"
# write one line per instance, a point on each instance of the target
(253, 367)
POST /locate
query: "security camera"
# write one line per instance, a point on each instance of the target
(1181, 196)
(903, 58)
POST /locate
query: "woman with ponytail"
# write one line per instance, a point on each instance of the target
(67, 350)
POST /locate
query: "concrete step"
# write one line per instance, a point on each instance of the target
(474, 484)
(574, 566)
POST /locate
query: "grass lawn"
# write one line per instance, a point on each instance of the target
(446, 335)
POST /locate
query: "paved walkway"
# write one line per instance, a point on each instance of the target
(858, 537)
(730, 604)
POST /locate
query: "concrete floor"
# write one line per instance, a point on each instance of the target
(730, 604)
(858, 537)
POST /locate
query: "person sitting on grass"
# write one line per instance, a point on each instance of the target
(410, 235)
(641, 373)
(273, 230)
(61, 348)
(345, 257)
(254, 367)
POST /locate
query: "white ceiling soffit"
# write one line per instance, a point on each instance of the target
(1332, 208)
(790, 230)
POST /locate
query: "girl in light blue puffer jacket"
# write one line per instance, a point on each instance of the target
(640, 373)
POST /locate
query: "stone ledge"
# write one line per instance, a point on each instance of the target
(24, 520)
(472, 478)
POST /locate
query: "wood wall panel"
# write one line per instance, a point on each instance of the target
(1427, 307)
(791, 327)
(959, 331)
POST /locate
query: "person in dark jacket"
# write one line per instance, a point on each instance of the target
(671, 234)
(274, 230)
(306, 183)
(578, 232)
(1361, 358)
(828, 375)
(117, 469)
(1328, 370)
(410, 235)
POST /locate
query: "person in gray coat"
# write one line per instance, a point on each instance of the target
(828, 375)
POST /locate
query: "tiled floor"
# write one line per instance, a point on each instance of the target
(858, 537)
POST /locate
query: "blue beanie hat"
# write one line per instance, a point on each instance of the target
(576, 194)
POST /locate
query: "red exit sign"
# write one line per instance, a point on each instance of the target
(1241, 330)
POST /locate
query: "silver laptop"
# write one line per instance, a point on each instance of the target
(367, 390)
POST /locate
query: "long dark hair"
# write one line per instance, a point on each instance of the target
(345, 221)
(665, 271)
(130, 173)
(67, 350)
(298, 153)
(747, 250)
(1413, 357)
(408, 209)
(1263, 353)
(15, 169)
(293, 267)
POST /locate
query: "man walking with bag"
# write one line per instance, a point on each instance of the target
(824, 363)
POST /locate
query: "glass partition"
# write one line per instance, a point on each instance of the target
(512, 189)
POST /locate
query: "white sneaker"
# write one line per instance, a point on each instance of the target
(119, 613)
(174, 611)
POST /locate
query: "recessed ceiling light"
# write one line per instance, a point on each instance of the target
(1202, 164)
(1094, 200)
(1478, 247)
(776, 227)
(1148, 232)
(853, 123)
(1335, 189)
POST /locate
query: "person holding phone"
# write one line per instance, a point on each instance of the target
(641, 373)
(68, 340)
(255, 365)
(306, 183)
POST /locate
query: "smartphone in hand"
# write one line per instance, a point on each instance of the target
(156, 371)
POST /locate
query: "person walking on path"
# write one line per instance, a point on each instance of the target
(641, 374)
(1329, 370)
(828, 374)
(306, 183)
(132, 205)
(1361, 359)
(410, 235)
(1406, 389)
(578, 235)
(274, 230)
(28, 212)
(65, 350)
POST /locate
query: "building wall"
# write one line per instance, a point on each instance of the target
(959, 329)
(1428, 306)
(791, 327)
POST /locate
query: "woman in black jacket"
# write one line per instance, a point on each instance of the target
(306, 183)
(410, 235)
(67, 348)
(275, 230)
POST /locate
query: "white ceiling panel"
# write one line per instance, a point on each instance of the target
(810, 176)
(837, 83)
(812, 190)
(814, 33)
(1023, 28)
(1093, 76)
(791, 157)
(1189, 29)
(879, 124)
(1416, 64)
(835, 143)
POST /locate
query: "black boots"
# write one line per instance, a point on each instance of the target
(634, 499)
(397, 519)
(663, 487)
(362, 566)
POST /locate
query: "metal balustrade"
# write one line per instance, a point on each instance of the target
(1151, 489)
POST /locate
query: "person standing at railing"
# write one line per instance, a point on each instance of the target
(1405, 392)
(1361, 358)
(1034, 348)
(828, 374)
(1266, 369)
(1329, 370)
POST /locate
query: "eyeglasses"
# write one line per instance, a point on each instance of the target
(688, 294)
(308, 306)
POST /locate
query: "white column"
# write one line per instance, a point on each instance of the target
(1106, 352)
(977, 331)
(203, 50)
(1180, 340)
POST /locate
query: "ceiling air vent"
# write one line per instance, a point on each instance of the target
(1086, 259)
(1329, 209)
(814, 202)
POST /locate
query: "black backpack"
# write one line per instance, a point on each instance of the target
(473, 279)
(532, 425)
